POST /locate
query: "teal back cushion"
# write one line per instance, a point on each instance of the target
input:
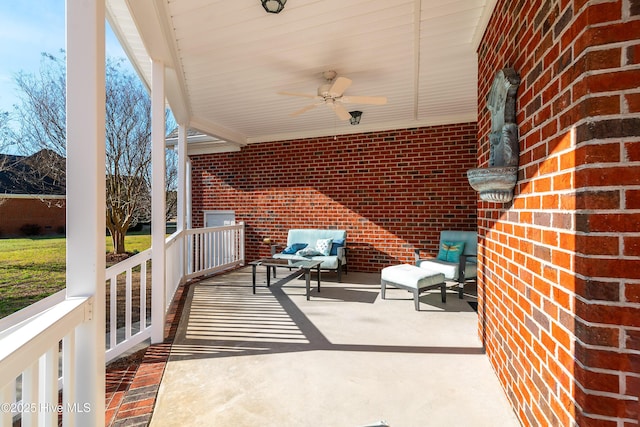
(470, 239)
(450, 251)
(311, 236)
(337, 243)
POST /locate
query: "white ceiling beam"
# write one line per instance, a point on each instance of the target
(210, 128)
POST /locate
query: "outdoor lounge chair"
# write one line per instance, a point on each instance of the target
(457, 257)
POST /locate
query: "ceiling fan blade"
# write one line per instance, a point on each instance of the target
(305, 95)
(339, 86)
(373, 100)
(341, 112)
(304, 110)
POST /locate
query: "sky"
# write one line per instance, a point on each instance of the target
(28, 28)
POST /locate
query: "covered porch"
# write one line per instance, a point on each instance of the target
(558, 287)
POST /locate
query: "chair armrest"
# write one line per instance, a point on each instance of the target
(342, 252)
(416, 256)
(417, 259)
(461, 268)
(274, 249)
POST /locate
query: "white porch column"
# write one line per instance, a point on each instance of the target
(182, 175)
(158, 196)
(189, 223)
(86, 198)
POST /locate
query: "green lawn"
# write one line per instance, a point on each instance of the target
(34, 268)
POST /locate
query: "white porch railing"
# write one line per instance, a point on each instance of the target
(39, 339)
(127, 327)
(214, 249)
(174, 250)
(30, 358)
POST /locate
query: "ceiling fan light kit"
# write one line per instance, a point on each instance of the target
(331, 94)
(273, 6)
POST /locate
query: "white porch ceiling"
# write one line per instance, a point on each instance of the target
(228, 59)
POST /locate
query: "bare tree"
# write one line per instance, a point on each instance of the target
(41, 113)
(128, 153)
(4, 130)
(171, 207)
(4, 143)
(127, 131)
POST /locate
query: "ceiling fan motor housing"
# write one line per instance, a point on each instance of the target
(323, 90)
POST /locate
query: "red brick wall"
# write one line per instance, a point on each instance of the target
(48, 214)
(392, 191)
(559, 277)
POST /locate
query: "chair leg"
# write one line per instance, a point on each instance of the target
(383, 288)
(460, 290)
(443, 292)
(416, 299)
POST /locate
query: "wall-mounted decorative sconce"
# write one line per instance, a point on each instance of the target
(355, 117)
(496, 182)
(273, 6)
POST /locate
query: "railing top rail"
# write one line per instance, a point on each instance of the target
(211, 229)
(37, 335)
(173, 238)
(15, 319)
(131, 262)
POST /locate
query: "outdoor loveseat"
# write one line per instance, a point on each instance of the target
(328, 246)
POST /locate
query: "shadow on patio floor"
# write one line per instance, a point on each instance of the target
(345, 357)
(225, 319)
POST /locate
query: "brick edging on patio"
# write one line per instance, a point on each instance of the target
(131, 392)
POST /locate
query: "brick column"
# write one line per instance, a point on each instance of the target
(559, 279)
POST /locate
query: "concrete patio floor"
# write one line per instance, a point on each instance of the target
(344, 358)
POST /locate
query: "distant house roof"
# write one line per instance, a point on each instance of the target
(41, 173)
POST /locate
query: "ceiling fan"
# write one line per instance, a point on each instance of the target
(332, 94)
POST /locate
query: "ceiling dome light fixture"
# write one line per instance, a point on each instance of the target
(355, 117)
(273, 6)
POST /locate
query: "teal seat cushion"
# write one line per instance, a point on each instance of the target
(328, 262)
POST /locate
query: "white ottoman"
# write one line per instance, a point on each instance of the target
(414, 279)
